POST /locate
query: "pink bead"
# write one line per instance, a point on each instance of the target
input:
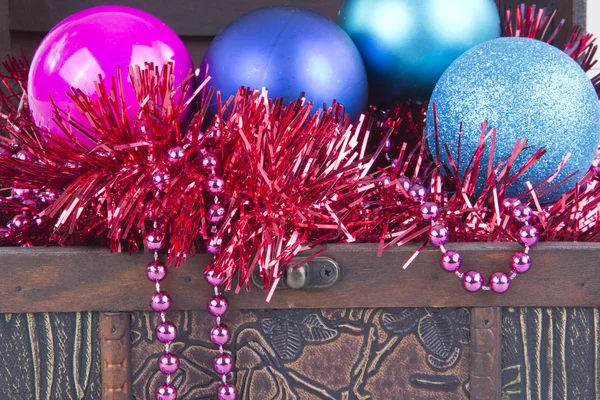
(217, 306)
(166, 332)
(472, 281)
(417, 192)
(156, 271)
(521, 262)
(20, 221)
(430, 211)
(499, 282)
(227, 392)
(175, 154)
(213, 279)
(219, 335)
(214, 245)
(522, 213)
(215, 184)
(23, 156)
(451, 261)
(223, 364)
(528, 235)
(216, 213)
(438, 235)
(161, 179)
(166, 392)
(596, 167)
(155, 240)
(168, 363)
(21, 194)
(160, 302)
(209, 161)
(403, 182)
(508, 204)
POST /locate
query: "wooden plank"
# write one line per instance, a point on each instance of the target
(187, 18)
(93, 279)
(486, 353)
(580, 13)
(115, 353)
(4, 30)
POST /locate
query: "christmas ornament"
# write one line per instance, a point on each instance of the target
(91, 44)
(408, 44)
(289, 51)
(525, 89)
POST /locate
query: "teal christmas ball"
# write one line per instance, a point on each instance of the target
(408, 44)
(289, 51)
(526, 89)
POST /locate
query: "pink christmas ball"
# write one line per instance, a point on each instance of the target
(96, 42)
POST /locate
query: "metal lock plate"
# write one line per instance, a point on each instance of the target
(319, 273)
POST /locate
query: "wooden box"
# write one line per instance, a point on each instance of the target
(75, 322)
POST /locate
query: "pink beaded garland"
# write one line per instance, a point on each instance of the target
(160, 302)
(404, 183)
(227, 392)
(166, 332)
(219, 335)
(168, 363)
(430, 211)
(418, 193)
(166, 392)
(213, 279)
(214, 245)
(451, 261)
(216, 213)
(223, 364)
(521, 262)
(499, 282)
(528, 235)
(161, 179)
(522, 213)
(20, 221)
(438, 235)
(156, 271)
(175, 154)
(217, 306)
(472, 281)
(155, 240)
(215, 184)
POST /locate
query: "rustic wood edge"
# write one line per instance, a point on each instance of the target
(92, 279)
(115, 354)
(486, 354)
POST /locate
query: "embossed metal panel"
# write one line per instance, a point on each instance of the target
(336, 354)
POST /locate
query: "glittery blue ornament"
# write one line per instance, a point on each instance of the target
(408, 44)
(289, 50)
(526, 89)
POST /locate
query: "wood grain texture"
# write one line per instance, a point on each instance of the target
(315, 354)
(4, 29)
(49, 356)
(93, 279)
(486, 363)
(186, 17)
(115, 348)
(551, 353)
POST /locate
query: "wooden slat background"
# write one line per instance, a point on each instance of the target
(197, 21)
(83, 279)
